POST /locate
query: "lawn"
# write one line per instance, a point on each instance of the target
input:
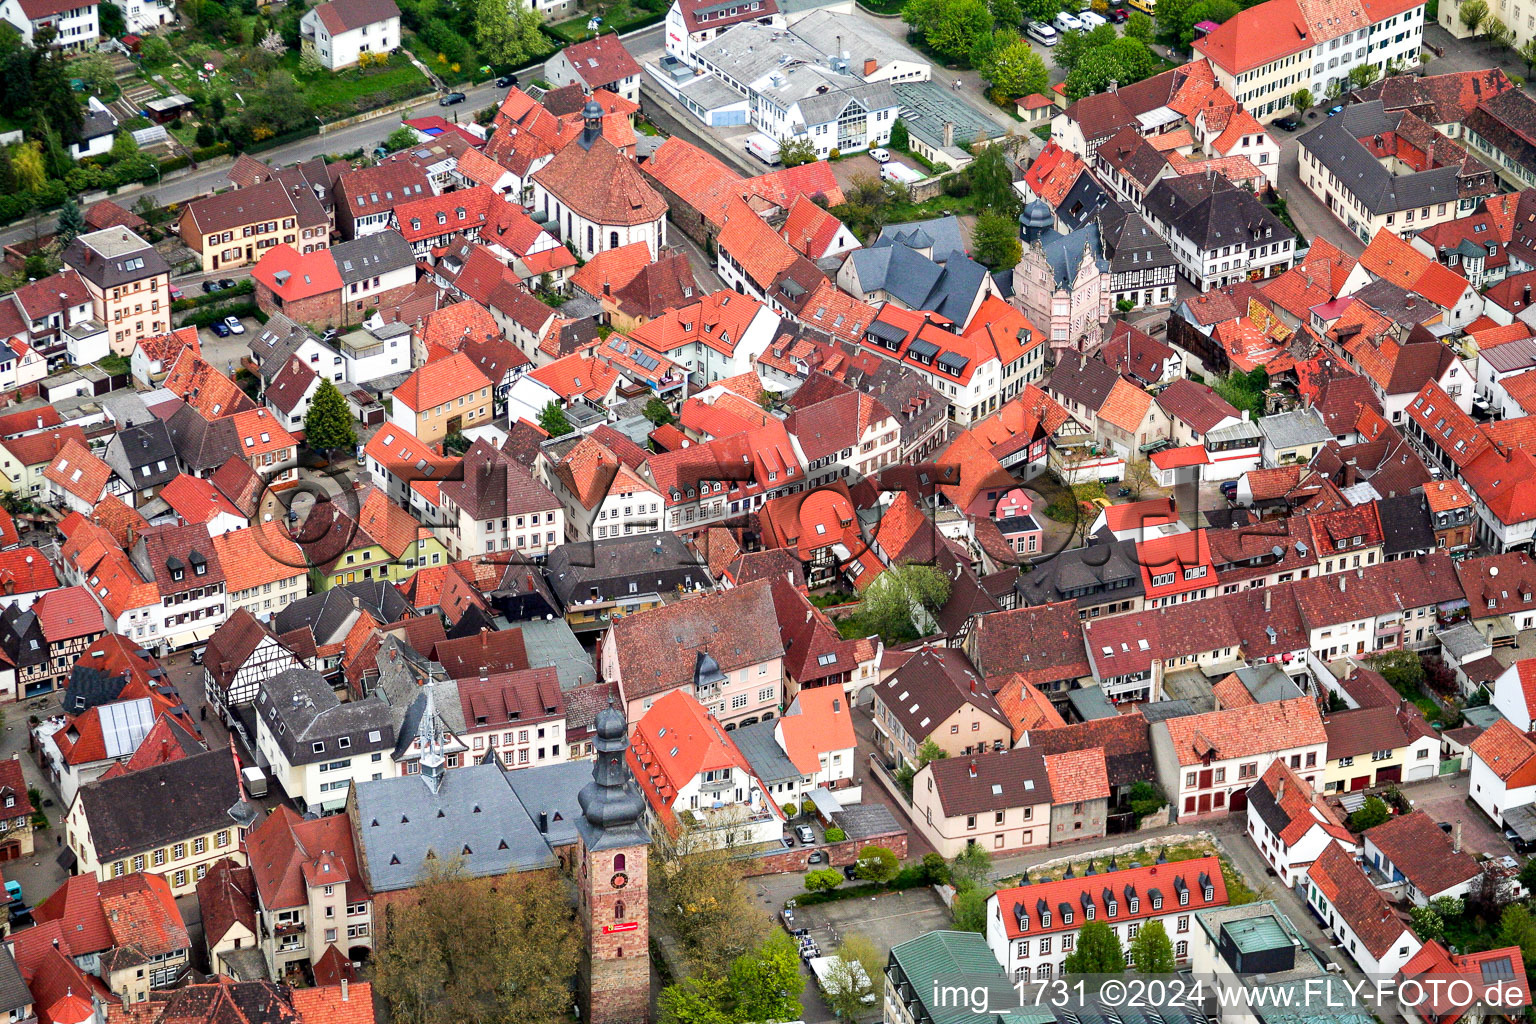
(619, 17)
(442, 69)
(343, 93)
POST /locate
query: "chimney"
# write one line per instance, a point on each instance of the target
(973, 768)
(1456, 838)
(1114, 86)
(1526, 295)
(1341, 584)
(344, 994)
(949, 134)
(869, 66)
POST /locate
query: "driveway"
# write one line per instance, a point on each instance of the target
(226, 353)
(1445, 799)
(874, 792)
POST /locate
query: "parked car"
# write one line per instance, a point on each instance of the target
(1119, 15)
(176, 294)
(452, 98)
(226, 282)
(1067, 22)
(816, 858)
(220, 328)
(850, 870)
(1092, 20)
(880, 156)
(1290, 124)
(1337, 108)
(789, 838)
(805, 834)
(210, 287)
(1229, 489)
(234, 325)
(506, 81)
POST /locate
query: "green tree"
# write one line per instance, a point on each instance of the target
(1098, 951)
(657, 412)
(1015, 70)
(1371, 813)
(328, 423)
(1146, 797)
(1069, 50)
(698, 890)
(1151, 951)
(400, 138)
(765, 982)
(995, 241)
(1040, 10)
(1498, 33)
(794, 152)
(852, 976)
(506, 34)
(965, 21)
(1403, 669)
(1302, 100)
(902, 600)
(971, 868)
(1527, 53)
(156, 52)
(95, 71)
(695, 1000)
(1427, 923)
(991, 180)
(1139, 26)
(554, 421)
(1007, 13)
(1205, 10)
(113, 24)
(1123, 61)
(930, 751)
(970, 909)
(71, 220)
(1170, 19)
(53, 97)
(123, 146)
(822, 880)
(27, 161)
(1518, 928)
(877, 864)
(1362, 75)
(1472, 14)
(899, 137)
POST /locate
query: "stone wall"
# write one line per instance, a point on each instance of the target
(838, 854)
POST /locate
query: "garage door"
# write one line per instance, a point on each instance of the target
(1392, 774)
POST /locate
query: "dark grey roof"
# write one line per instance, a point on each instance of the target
(1289, 429)
(402, 826)
(553, 642)
(1406, 527)
(1263, 803)
(96, 123)
(14, 994)
(202, 445)
(941, 235)
(331, 613)
(1088, 575)
(1086, 380)
(551, 791)
(1066, 253)
(1212, 212)
(372, 255)
(160, 805)
(1129, 241)
(114, 256)
(760, 747)
(278, 339)
(1083, 200)
(310, 725)
(142, 454)
(91, 687)
(653, 562)
(1397, 304)
(918, 282)
(865, 821)
(1090, 704)
(1335, 144)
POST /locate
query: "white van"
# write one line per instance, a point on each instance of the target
(1041, 33)
(764, 147)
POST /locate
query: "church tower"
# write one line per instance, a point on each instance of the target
(611, 879)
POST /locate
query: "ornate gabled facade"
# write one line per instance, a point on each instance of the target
(1063, 282)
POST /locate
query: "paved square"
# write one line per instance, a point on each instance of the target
(886, 920)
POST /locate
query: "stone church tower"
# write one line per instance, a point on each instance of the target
(611, 879)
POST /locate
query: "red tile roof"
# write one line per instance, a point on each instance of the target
(292, 275)
(1244, 732)
(601, 61)
(602, 185)
(1155, 888)
(1358, 902)
(1509, 754)
(439, 382)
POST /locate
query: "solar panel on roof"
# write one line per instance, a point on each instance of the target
(645, 361)
(1495, 970)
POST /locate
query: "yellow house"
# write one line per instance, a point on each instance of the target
(235, 229)
(1378, 746)
(386, 543)
(116, 826)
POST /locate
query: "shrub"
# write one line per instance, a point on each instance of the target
(836, 835)
(823, 880)
(790, 810)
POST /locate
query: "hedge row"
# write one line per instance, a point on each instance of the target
(245, 287)
(208, 317)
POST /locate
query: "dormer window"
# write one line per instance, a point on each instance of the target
(1088, 912)
(1066, 917)
(1157, 903)
(1135, 905)
(1183, 897)
(1112, 908)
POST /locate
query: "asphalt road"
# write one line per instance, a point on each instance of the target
(364, 135)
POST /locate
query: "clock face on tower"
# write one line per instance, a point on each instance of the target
(619, 880)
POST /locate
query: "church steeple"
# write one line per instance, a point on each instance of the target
(609, 802)
(592, 119)
(429, 737)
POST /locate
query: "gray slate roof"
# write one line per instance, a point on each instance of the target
(331, 613)
(551, 791)
(1212, 213)
(940, 234)
(656, 561)
(142, 454)
(160, 805)
(1289, 429)
(475, 815)
(311, 725)
(372, 255)
(1335, 144)
(14, 994)
(919, 282)
(1066, 253)
(762, 751)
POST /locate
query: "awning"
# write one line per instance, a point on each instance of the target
(825, 803)
(66, 859)
(1522, 821)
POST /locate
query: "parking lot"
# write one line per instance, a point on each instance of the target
(226, 353)
(887, 920)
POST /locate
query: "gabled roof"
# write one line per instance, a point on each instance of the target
(1291, 808)
(1358, 902)
(1422, 852)
(1256, 729)
(1509, 753)
(601, 61)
